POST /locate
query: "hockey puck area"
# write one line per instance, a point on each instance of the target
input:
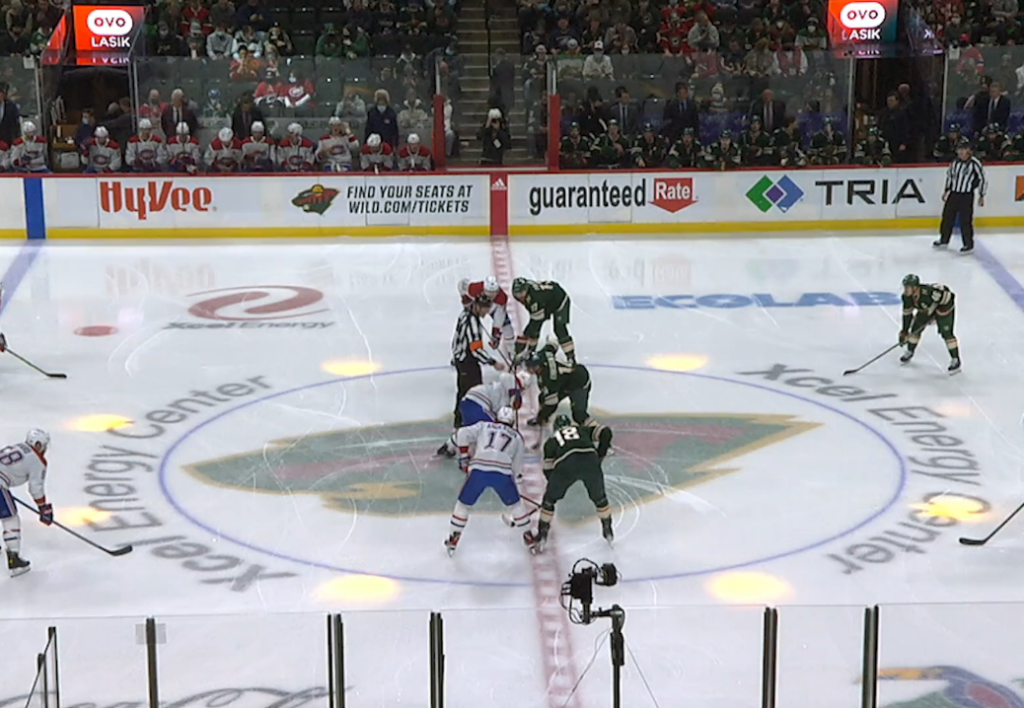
(96, 331)
(340, 475)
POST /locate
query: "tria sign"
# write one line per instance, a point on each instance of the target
(153, 198)
(870, 191)
(110, 29)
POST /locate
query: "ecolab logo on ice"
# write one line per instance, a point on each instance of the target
(153, 198)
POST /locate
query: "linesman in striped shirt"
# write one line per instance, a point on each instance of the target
(965, 175)
(468, 354)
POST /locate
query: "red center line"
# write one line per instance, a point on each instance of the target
(552, 621)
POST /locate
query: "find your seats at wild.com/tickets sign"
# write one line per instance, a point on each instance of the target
(853, 22)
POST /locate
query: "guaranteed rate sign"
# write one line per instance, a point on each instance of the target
(107, 28)
(862, 21)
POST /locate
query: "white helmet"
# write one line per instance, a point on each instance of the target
(258, 127)
(226, 135)
(182, 128)
(38, 440)
(506, 415)
(145, 124)
(295, 129)
(464, 286)
(373, 141)
(334, 120)
(101, 132)
(28, 128)
(414, 139)
(490, 284)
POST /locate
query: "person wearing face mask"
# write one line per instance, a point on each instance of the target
(382, 120)
(299, 92)
(219, 43)
(598, 65)
(167, 43)
(86, 128)
(246, 37)
(154, 107)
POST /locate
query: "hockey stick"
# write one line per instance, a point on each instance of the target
(983, 541)
(123, 551)
(25, 361)
(894, 346)
(506, 518)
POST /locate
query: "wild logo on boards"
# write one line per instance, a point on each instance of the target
(315, 200)
(389, 469)
(961, 689)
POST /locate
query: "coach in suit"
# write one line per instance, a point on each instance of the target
(770, 110)
(10, 128)
(993, 108)
(625, 111)
(680, 114)
(178, 112)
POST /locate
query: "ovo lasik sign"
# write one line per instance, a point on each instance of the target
(862, 21)
(106, 28)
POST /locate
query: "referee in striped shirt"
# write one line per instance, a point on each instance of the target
(468, 354)
(965, 175)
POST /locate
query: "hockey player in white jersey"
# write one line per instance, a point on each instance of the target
(145, 151)
(30, 152)
(491, 455)
(482, 403)
(101, 154)
(21, 463)
(259, 152)
(336, 148)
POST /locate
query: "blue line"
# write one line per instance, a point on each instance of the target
(18, 269)
(1003, 277)
(217, 533)
(35, 209)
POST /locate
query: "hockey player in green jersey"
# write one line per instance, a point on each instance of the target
(687, 153)
(611, 149)
(574, 454)
(724, 154)
(922, 305)
(543, 300)
(828, 145)
(873, 150)
(574, 153)
(992, 145)
(756, 145)
(557, 381)
(945, 146)
(650, 150)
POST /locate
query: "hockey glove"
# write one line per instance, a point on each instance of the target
(46, 513)
(903, 338)
(495, 338)
(464, 464)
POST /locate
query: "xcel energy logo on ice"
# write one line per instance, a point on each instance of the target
(256, 307)
(153, 198)
(783, 194)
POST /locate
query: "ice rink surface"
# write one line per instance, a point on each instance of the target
(259, 421)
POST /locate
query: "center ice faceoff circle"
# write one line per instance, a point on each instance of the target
(711, 473)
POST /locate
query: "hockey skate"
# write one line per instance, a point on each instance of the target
(907, 356)
(607, 531)
(954, 366)
(939, 244)
(452, 542)
(534, 542)
(17, 565)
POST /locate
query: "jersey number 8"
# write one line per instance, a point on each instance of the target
(10, 456)
(564, 434)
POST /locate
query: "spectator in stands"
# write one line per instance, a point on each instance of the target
(381, 119)
(620, 38)
(386, 18)
(220, 43)
(598, 66)
(252, 13)
(494, 138)
(46, 13)
(279, 40)
(214, 107)
(408, 58)
(222, 14)
(442, 20)
(299, 92)
(569, 64)
(352, 106)
(645, 25)
(680, 114)
(154, 106)
(790, 59)
(178, 112)
(196, 13)
(895, 128)
(561, 35)
(330, 44)
(17, 15)
(247, 38)
(413, 114)
(732, 61)
(812, 37)
(706, 67)
(770, 110)
(703, 32)
(625, 111)
(245, 67)
(245, 115)
(166, 43)
(593, 33)
(356, 42)
(503, 79)
(360, 16)
(535, 71)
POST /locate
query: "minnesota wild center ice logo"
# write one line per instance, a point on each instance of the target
(389, 469)
(962, 689)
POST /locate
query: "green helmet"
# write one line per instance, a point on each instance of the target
(911, 280)
(562, 421)
(534, 361)
(520, 285)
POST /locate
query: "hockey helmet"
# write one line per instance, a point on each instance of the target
(413, 139)
(258, 127)
(873, 131)
(955, 129)
(182, 128)
(963, 143)
(101, 133)
(911, 280)
(725, 135)
(28, 128)
(226, 135)
(295, 128)
(755, 119)
(334, 120)
(534, 361)
(38, 440)
(145, 124)
(373, 141)
(506, 415)
(562, 421)
(993, 128)
(520, 285)
(490, 284)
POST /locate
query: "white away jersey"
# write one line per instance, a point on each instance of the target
(495, 447)
(19, 464)
(492, 397)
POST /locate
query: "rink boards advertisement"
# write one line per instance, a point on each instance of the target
(128, 207)
(481, 204)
